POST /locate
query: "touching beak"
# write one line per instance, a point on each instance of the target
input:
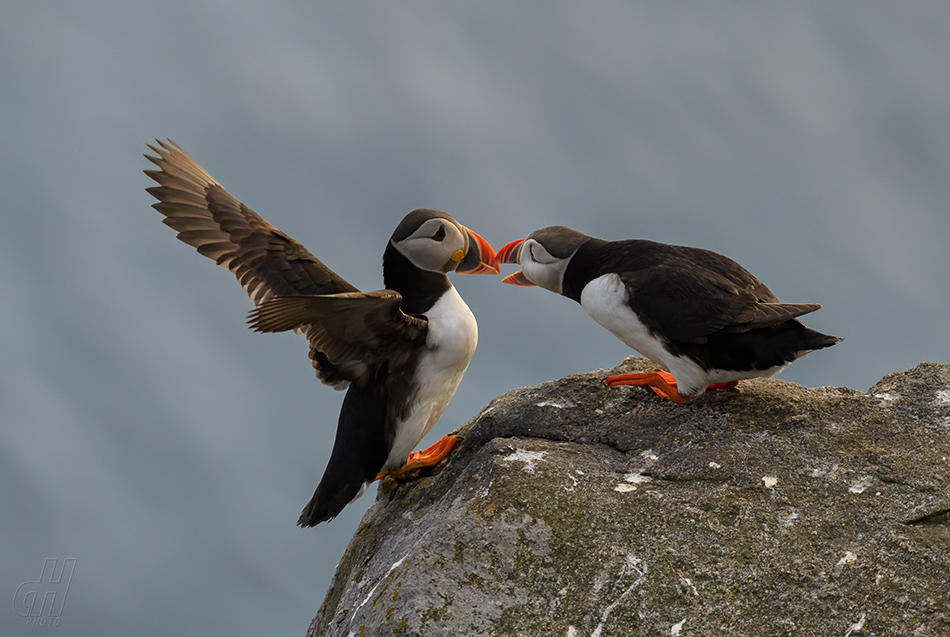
(511, 253)
(480, 258)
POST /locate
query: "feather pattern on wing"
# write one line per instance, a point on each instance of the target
(355, 332)
(266, 262)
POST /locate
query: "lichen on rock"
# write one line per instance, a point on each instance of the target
(574, 509)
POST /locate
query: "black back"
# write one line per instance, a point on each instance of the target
(595, 258)
(698, 303)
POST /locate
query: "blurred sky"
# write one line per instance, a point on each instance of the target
(147, 433)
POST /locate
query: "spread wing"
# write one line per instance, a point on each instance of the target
(718, 301)
(353, 332)
(266, 261)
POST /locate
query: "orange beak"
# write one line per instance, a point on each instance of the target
(480, 258)
(518, 278)
(511, 253)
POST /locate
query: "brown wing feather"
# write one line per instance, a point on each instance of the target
(266, 261)
(353, 332)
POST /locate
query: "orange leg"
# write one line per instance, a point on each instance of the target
(427, 457)
(662, 383)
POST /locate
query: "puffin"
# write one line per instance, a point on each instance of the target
(400, 352)
(698, 314)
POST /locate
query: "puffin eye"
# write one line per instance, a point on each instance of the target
(440, 234)
(531, 252)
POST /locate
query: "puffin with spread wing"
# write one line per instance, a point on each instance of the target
(400, 352)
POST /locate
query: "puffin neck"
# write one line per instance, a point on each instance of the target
(420, 289)
(581, 269)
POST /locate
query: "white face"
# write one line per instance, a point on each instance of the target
(438, 245)
(540, 267)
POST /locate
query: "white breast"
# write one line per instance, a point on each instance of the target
(605, 300)
(450, 344)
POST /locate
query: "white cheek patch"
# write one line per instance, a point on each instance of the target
(549, 276)
(426, 254)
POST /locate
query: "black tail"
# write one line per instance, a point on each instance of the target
(813, 340)
(760, 349)
(359, 452)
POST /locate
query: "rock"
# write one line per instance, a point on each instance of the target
(573, 509)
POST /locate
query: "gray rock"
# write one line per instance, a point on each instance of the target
(574, 509)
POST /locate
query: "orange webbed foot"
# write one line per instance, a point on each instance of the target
(426, 458)
(662, 383)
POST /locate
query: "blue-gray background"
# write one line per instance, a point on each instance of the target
(147, 433)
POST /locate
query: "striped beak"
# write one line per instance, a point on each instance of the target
(511, 253)
(480, 258)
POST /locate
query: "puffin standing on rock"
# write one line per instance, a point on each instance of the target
(699, 314)
(401, 351)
